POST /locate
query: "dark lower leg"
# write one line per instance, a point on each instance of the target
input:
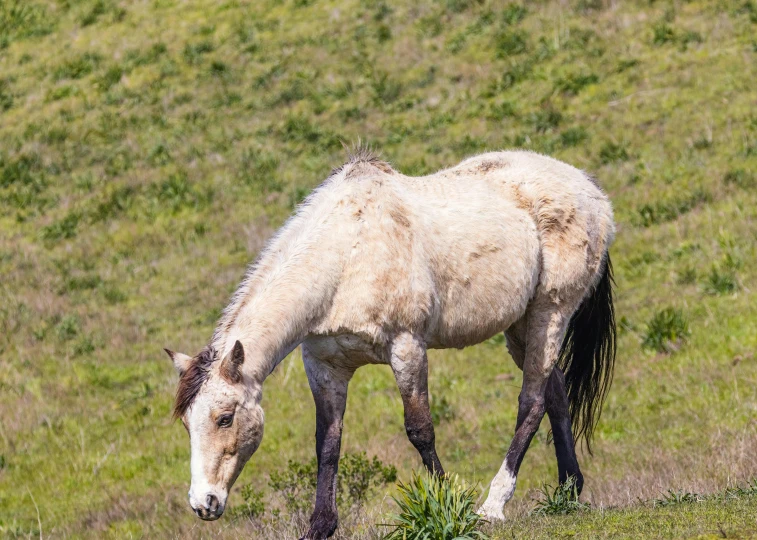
(559, 417)
(530, 413)
(330, 395)
(410, 366)
(420, 431)
(328, 439)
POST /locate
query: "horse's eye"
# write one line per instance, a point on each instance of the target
(226, 420)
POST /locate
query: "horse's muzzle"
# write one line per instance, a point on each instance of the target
(211, 510)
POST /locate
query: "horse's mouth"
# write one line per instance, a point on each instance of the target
(206, 515)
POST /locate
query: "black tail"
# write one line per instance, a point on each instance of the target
(587, 357)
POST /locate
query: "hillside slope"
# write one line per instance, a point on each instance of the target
(148, 149)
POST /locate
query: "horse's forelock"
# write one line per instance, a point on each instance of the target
(192, 380)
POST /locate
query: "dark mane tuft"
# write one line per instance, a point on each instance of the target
(361, 153)
(192, 380)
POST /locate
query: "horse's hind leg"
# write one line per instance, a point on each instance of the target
(546, 322)
(410, 366)
(559, 418)
(556, 402)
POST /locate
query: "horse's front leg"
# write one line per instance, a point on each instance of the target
(410, 366)
(329, 387)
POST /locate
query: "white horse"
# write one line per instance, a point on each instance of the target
(375, 268)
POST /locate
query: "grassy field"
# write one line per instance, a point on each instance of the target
(149, 148)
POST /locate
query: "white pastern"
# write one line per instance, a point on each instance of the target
(500, 491)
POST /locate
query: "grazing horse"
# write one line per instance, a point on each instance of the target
(377, 267)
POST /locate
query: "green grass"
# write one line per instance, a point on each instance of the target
(706, 519)
(435, 507)
(148, 150)
(560, 500)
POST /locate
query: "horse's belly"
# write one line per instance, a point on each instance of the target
(487, 281)
(470, 319)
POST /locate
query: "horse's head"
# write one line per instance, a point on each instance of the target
(221, 411)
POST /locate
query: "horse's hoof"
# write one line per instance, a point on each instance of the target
(491, 514)
(315, 535)
(321, 529)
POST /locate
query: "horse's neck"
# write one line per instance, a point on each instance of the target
(269, 322)
(281, 297)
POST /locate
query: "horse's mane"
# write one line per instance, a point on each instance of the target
(360, 153)
(192, 380)
(194, 377)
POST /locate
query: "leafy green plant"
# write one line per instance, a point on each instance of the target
(458, 6)
(298, 128)
(77, 67)
(572, 84)
(722, 277)
(358, 476)
(177, 193)
(666, 331)
(193, 52)
(113, 295)
(24, 169)
(115, 201)
(6, 97)
(434, 507)
(687, 275)
(84, 346)
(668, 210)
(673, 498)
(689, 37)
(81, 283)
(513, 13)
(20, 19)
(111, 77)
(296, 485)
(253, 506)
(560, 501)
(749, 490)
(663, 33)
(545, 120)
(504, 109)
(573, 136)
(611, 152)
(385, 88)
(511, 43)
(63, 229)
(515, 73)
(721, 281)
(356, 479)
(68, 328)
(93, 13)
(140, 57)
(740, 178)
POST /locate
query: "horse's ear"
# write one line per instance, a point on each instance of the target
(232, 362)
(180, 361)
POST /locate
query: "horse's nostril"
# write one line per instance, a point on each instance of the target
(212, 503)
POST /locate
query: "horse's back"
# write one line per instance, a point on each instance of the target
(456, 256)
(572, 214)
